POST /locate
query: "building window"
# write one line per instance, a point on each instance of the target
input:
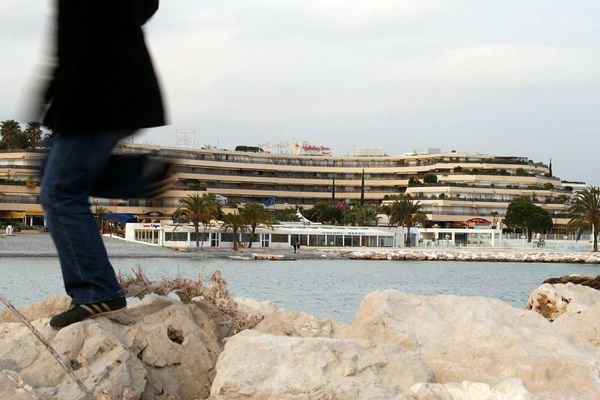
(386, 241)
(302, 239)
(202, 236)
(147, 236)
(247, 236)
(176, 236)
(279, 238)
(317, 240)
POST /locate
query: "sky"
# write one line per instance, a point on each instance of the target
(507, 77)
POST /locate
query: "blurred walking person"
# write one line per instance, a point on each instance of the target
(103, 88)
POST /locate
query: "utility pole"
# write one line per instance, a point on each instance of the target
(362, 189)
(333, 189)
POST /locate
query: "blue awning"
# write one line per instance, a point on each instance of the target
(120, 217)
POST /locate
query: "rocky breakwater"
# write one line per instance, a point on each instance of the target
(471, 255)
(158, 349)
(403, 346)
(399, 347)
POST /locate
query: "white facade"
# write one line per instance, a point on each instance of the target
(281, 236)
(451, 237)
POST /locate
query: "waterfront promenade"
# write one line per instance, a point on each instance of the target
(40, 245)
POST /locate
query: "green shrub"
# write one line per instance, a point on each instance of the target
(430, 179)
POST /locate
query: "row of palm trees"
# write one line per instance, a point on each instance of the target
(404, 211)
(333, 213)
(584, 214)
(202, 209)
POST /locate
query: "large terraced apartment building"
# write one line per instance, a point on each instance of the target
(467, 186)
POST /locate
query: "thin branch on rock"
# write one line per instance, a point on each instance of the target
(41, 338)
(18, 382)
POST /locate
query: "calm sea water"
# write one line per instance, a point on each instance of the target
(328, 288)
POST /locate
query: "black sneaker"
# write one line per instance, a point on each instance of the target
(79, 312)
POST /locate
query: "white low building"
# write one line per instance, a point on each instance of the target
(450, 237)
(284, 235)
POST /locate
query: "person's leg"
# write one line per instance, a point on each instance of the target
(72, 167)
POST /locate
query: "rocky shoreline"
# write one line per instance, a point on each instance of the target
(471, 255)
(400, 346)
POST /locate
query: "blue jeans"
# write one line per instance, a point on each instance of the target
(73, 166)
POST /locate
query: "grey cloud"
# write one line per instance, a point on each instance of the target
(501, 77)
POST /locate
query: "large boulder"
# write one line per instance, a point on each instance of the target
(573, 308)
(481, 340)
(257, 366)
(158, 349)
(279, 321)
(93, 351)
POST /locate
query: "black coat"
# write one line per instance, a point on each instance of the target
(103, 78)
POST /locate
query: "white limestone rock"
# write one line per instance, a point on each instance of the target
(481, 340)
(99, 358)
(279, 321)
(257, 366)
(574, 310)
(511, 389)
(158, 349)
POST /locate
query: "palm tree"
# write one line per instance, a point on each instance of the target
(356, 214)
(367, 216)
(585, 213)
(10, 130)
(198, 209)
(326, 212)
(387, 210)
(255, 214)
(32, 135)
(288, 214)
(237, 224)
(407, 212)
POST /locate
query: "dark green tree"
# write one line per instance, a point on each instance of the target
(256, 214)
(407, 212)
(521, 172)
(326, 212)
(430, 179)
(524, 215)
(11, 133)
(32, 135)
(366, 216)
(237, 224)
(289, 214)
(198, 209)
(585, 213)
